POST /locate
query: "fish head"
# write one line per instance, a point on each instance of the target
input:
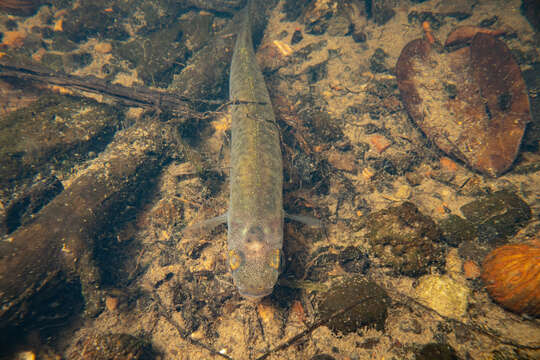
(255, 258)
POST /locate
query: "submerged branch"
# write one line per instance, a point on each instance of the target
(128, 96)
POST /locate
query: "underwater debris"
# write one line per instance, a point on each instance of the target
(511, 274)
(471, 102)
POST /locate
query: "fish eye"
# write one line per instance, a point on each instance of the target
(275, 259)
(235, 259)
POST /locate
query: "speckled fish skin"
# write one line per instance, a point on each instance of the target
(255, 216)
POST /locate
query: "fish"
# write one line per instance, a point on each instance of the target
(255, 216)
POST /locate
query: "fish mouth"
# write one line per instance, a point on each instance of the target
(255, 294)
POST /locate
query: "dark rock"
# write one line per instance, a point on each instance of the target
(456, 230)
(497, 216)
(473, 250)
(31, 43)
(296, 37)
(381, 10)
(377, 61)
(458, 9)
(531, 139)
(317, 72)
(363, 302)
(436, 351)
(353, 260)
(11, 24)
(303, 54)
(338, 18)
(404, 239)
(359, 36)
(488, 22)
(531, 10)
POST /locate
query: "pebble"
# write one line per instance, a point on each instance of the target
(103, 47)
(444, 295)
(471, 270)
(342, 161)
(111, 303)
(403, 192)
(379, 142)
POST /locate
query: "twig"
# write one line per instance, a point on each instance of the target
(130, 96)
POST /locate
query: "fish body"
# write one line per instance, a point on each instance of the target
(255, 215)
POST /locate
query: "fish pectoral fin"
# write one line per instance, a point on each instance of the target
(206, 225)
(304, 219)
